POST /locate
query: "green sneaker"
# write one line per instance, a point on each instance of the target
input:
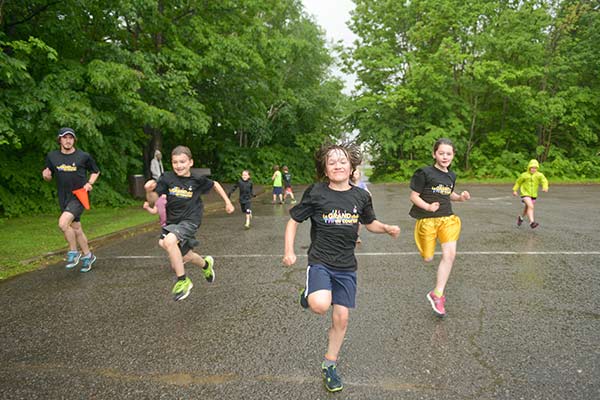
(332, 380)
(208, 271)
(181, 290)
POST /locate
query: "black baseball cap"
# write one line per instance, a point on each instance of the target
(66, 131)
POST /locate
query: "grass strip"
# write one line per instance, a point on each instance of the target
(27, 238)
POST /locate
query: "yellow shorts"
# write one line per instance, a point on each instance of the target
(427, 230)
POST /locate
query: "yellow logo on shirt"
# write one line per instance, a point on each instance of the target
(338, 217)
(441, 189)
(67, 168)
(181, 192)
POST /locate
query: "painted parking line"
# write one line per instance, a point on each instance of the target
(383, 254)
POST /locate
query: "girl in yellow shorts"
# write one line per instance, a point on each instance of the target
(432, 190)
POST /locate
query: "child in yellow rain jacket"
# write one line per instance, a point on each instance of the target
(529, 183)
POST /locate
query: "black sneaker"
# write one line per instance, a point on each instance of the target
(332, 380)
(534, 225)
(303, 299)
(519, 220)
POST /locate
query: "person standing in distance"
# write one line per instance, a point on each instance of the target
(70, 167)
(156, 170)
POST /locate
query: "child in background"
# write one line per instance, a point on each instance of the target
(432, 189)
(334, 208)
(287, 182)
(529, 183)
(162, 217)
(356, 180)
(277, 185)
(184, 216)
(246, 194)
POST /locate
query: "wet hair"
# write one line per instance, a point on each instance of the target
(442, 141)
(285, 168)
(350, 150)
(179, 150)
(275, 167)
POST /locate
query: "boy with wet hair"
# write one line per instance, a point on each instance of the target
(335, 209)
(184, 216)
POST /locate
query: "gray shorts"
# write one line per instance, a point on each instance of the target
(74, 207)
(186, 235)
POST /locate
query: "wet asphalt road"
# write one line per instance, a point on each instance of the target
(523, 320)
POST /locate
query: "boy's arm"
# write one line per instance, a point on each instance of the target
(289, 256)
(151, 195)
(235, 186)
(219, 189)
(379, 227)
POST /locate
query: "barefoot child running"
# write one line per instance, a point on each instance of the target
(334, 208)
(184, 215)
(246, 194)
(529, 182)
(432, 189)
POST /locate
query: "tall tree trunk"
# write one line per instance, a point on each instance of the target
(471, 142)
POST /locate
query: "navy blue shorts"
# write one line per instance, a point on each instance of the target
(277, 190)
(342, 285)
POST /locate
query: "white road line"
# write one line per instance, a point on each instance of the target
(401, 253)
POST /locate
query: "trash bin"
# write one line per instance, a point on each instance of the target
(136, 186)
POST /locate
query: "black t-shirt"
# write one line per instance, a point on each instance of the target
(183, 196)
(245, 190)
(433, 185)
(70, 172)
(287, 179)
(334, 218)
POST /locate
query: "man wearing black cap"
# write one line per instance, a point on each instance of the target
(70, 166)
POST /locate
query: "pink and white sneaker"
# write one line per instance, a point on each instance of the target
(437, 303)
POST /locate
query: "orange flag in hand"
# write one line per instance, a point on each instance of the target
(82, 196)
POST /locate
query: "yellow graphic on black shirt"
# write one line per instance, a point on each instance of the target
(442, 189)
(338, 217)
(181, 192)
(67, 168)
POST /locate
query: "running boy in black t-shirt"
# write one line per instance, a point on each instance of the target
(184, 216)
(70, 166)
(334, 208)
(432, 189)
(246, 194)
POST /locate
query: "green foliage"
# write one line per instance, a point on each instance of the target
(243, 83)
(507, 81)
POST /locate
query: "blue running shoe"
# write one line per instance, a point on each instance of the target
(87, 262)
(72, 259)
(332, 380)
